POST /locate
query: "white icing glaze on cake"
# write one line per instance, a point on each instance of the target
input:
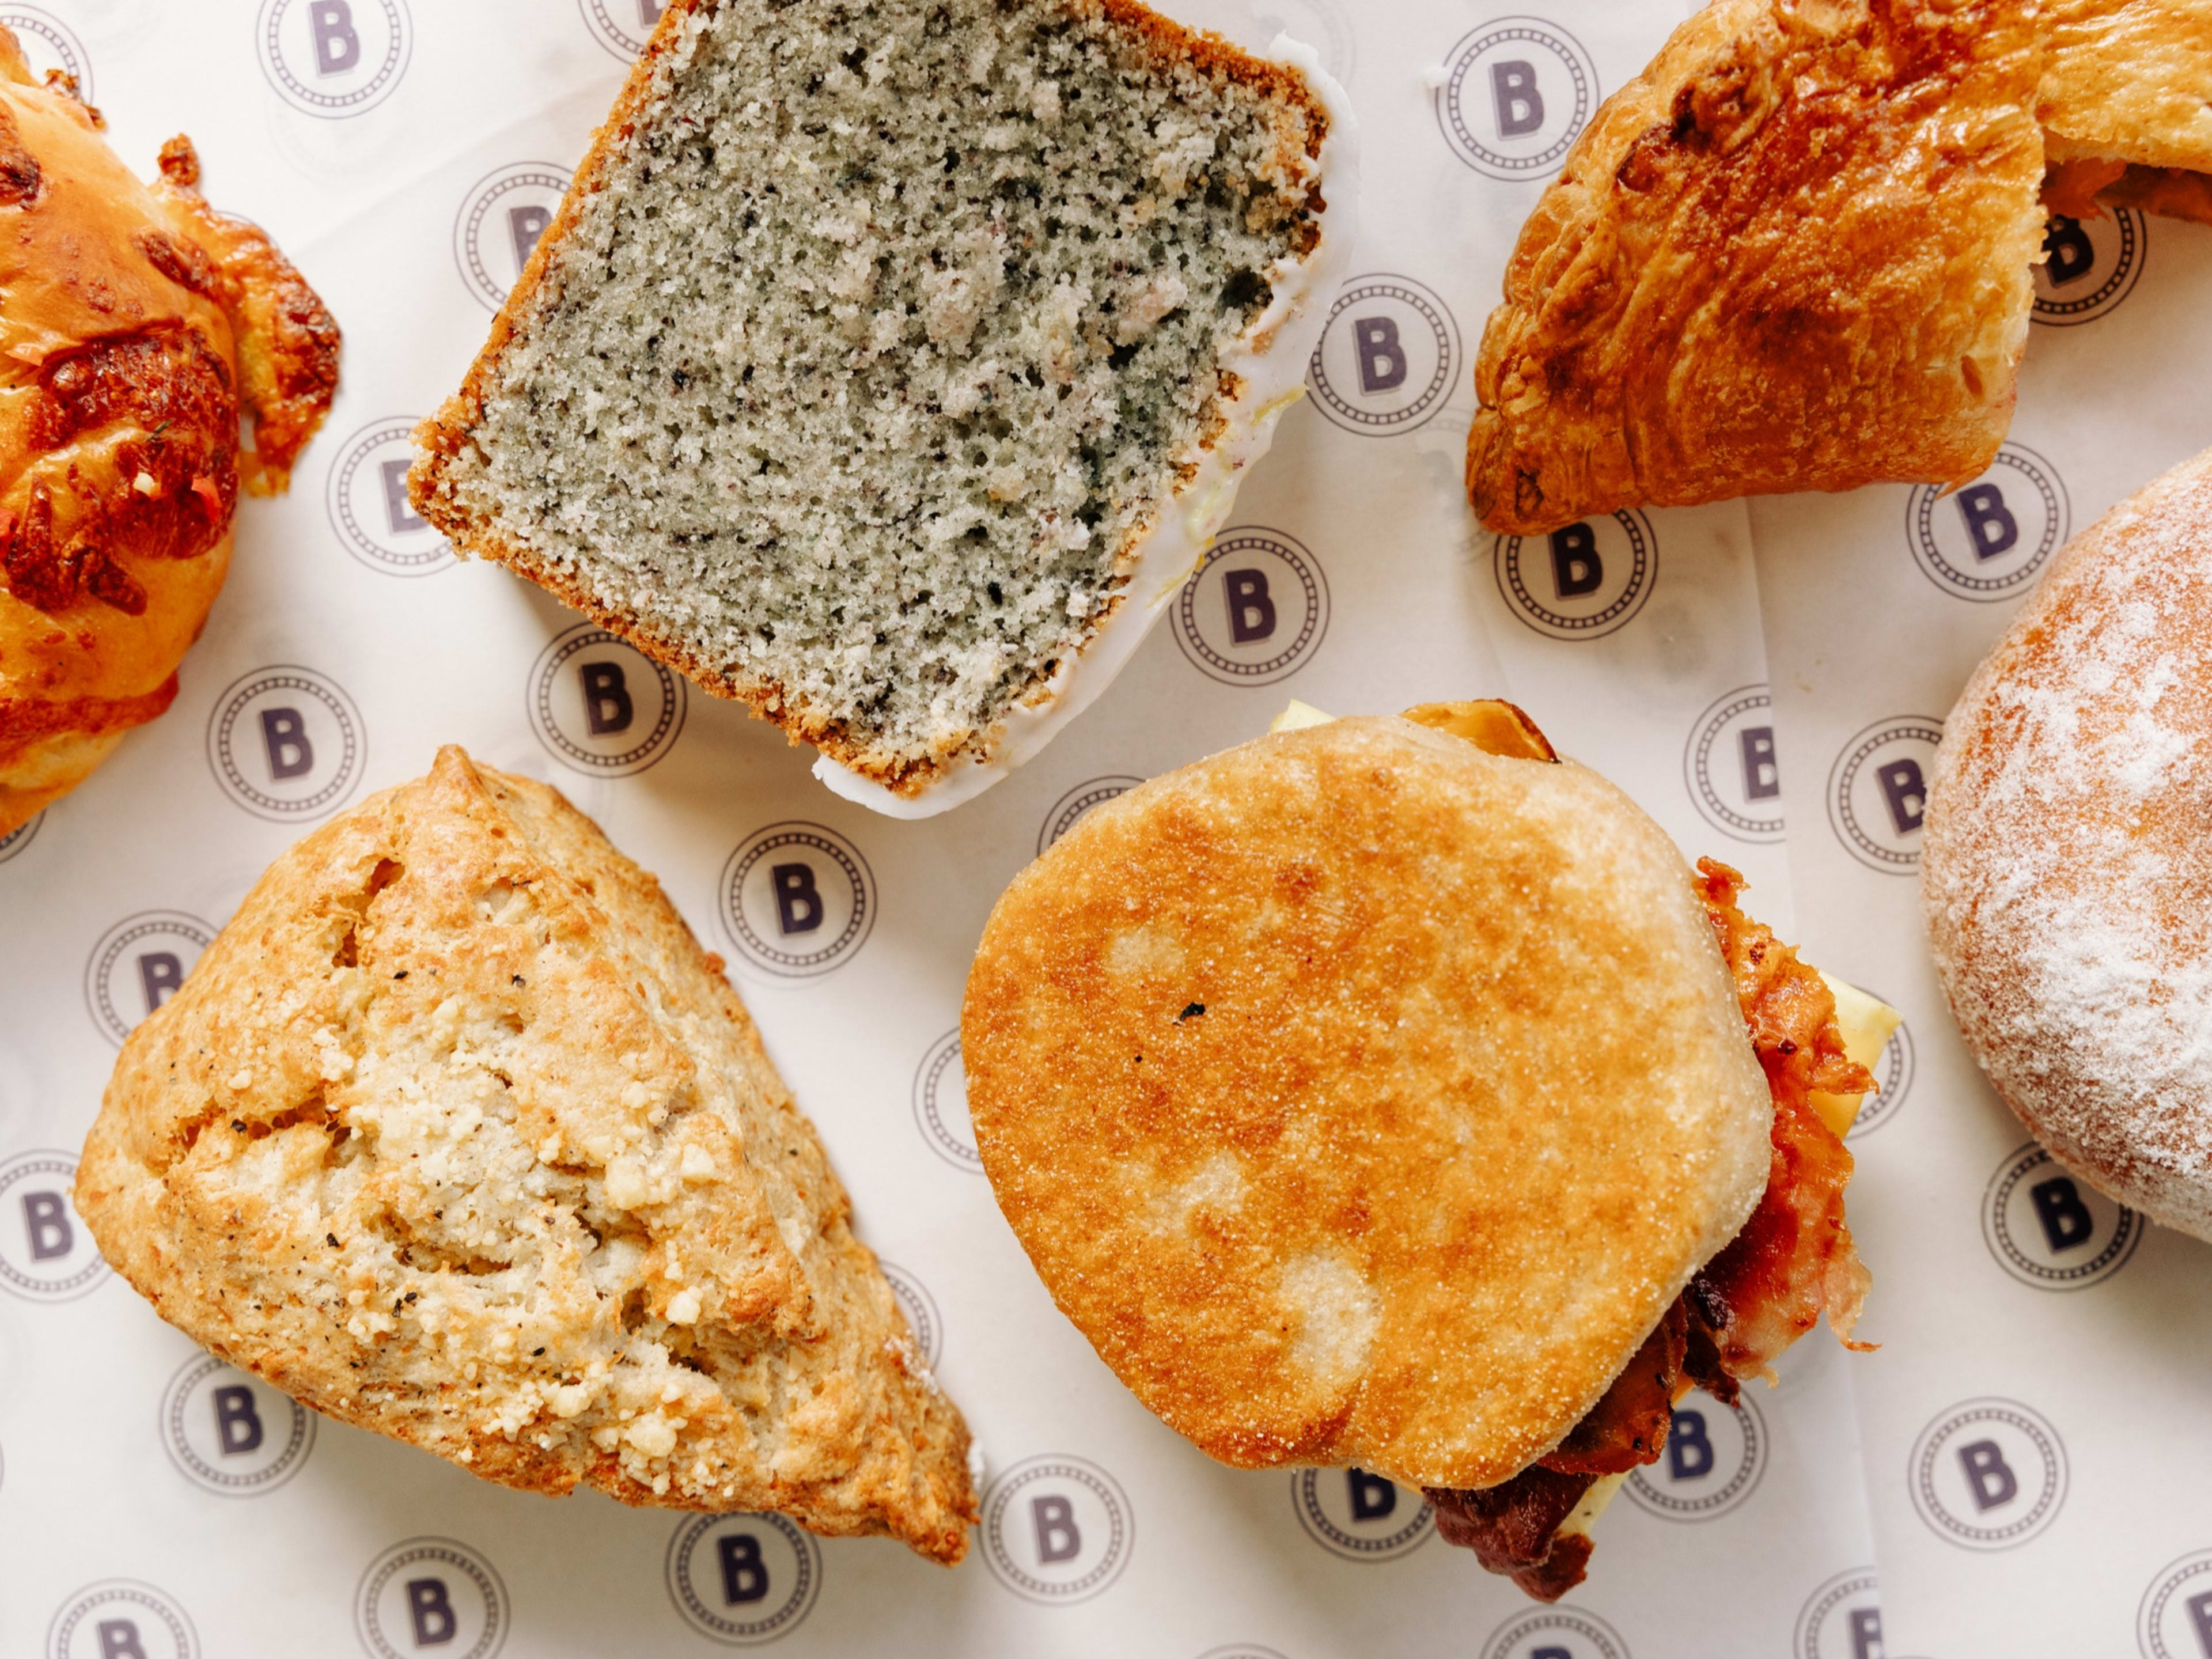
(2067, 866)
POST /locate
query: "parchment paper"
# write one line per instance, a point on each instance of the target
(154, 1504)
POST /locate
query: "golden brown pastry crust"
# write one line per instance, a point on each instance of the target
(2128, 81)
(1793, 254)
(2065, 871)
(134, 324)
(455, 1133)
(1282, 1068)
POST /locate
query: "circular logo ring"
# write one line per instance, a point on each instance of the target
(20, 838)
(1860, 1581)
(673, 705)
(327, 106)
(130, 1593)
(1460, 135)
(943, 1054)
(620, 43)
(920, 1308)
(338, 502)
(75, 62)
(1997, 1229)
(1739, 1487)
(2150, 1617)
(2127, 271)
(1988, 590)
(99, 996)
(1312, 626)
(223, 722)
(1322, 1528)
(1442, 330)
(1899, 1063)
(741, 1633)
(1843, 780)
(1076, 802)
(1121, 1528)
(17, 1170)
(297, 1445)
(484, 196)
(2013, 1415)
(445, 1553)
(793, 963)
(1644, 565)
(1697, 767)
(1573, 1620)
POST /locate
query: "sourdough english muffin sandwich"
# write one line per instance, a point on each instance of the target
(1389, 1092)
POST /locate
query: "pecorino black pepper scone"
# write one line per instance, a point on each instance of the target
(883, 353)
(457, 1135)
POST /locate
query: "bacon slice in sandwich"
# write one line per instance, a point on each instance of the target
(1792, 1262)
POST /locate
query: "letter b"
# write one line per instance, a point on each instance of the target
(1372, 1497)
(398, 512)
(1251, 610)
(284, 736)
(798, 900)
(1866, 1633)
(237, 1424)
(1761, 781)
(2200, 1621)
(1689, 1448)
(160, 974)
(1989, 523)
(2068, 255)
(525, 225)
(430, 1611)
(745, 1575)
(1989, 1479)
(337, 42)
(1381, 358)
(2067, 1223)
(45, 1218)
(1577, 568)
(1058, 1537)
(607, 706)
(1549, 1652)
(1513, 94)
(118, 1639)
(1905, 791)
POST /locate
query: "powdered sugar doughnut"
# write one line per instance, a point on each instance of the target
(2066, 868)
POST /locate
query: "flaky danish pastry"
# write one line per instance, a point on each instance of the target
(1793, 254)
(135, 325)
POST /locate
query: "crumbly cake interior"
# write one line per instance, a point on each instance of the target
(892, 326)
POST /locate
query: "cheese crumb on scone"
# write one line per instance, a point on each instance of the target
(456, 1134)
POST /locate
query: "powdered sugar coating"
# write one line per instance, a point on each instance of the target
(2067, 870)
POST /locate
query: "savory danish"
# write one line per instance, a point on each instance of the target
(137, 324)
